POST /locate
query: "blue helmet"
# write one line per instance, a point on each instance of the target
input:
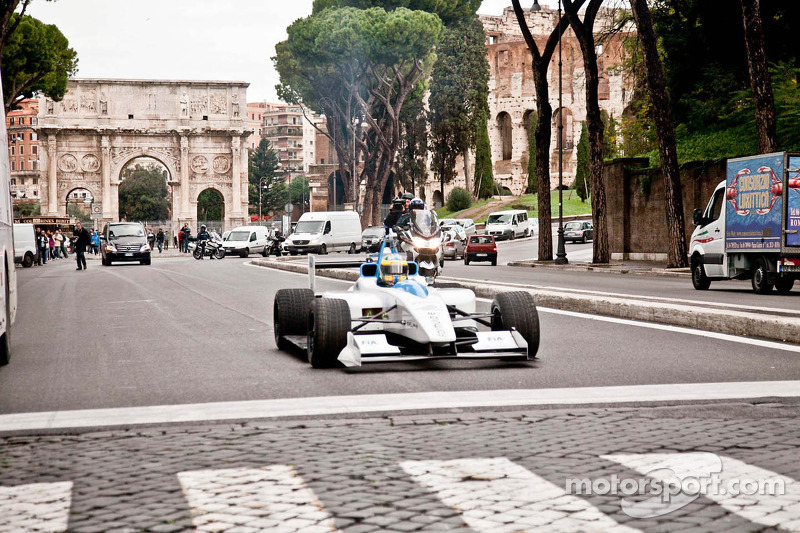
(416, 203)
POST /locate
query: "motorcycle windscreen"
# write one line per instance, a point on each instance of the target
(425, 223)
(793, 204)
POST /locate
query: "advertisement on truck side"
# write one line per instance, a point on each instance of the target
(754, 203)
(793, 204)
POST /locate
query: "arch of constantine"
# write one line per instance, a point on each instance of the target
(196, 129)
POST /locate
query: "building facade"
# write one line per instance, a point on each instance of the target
(23, 151)
(512, 96)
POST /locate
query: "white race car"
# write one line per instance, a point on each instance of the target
(392, 314)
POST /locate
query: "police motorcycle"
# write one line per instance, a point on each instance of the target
(213, 248)
(275, 244)
(420, 237)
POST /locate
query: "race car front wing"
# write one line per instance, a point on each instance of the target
(365, 348)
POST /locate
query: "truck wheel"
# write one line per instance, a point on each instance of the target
(27, 261)
(290, 314)
(352, 249)
(784, 285)
(5, 339)
(760, 277)
(323, 250)
(517, 310)
(328, 324)
(699, 278)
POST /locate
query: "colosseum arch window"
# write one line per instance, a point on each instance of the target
(567, 133)
(506, 134)
(501, 63)
(603, 89)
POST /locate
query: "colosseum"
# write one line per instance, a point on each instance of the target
(512, 98)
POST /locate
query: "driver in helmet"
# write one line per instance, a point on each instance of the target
(393, 270)
(202, 238)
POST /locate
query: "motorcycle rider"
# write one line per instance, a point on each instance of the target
(277, 239)
(203, 236)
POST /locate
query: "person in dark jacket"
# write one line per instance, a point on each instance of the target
(82, 240)
(160, 239)
(395, 212)
(203, 236)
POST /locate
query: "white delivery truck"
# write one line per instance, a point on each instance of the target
(326, 231)
(24, 244)
(750, 228)
(508, 224)
(244, 240)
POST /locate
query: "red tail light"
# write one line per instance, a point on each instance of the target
(494, 248)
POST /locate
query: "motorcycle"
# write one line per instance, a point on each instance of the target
(421, 238)
(274, 246)
(213, 248)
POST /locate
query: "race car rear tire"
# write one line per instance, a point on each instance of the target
(328, 324)
(290, 314)
(517, 310)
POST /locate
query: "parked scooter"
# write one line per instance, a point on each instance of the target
(213, 248)
(421, 239)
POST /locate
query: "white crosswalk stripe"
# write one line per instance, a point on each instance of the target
(257, 499)
(496, 495)
(39, 507)
(775, 503)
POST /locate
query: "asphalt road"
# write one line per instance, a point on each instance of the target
(184, 331)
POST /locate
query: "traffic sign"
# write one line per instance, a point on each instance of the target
(97, 211)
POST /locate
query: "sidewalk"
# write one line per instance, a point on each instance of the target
(484, 471)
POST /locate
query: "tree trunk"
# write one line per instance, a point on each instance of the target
(676, 255)
(467, 176)
(759, 76)
(544, 114)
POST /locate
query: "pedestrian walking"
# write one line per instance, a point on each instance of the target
(41, 247)
(58, 238)
(186, 232)
(160, 239)
(82, 240)
(151, 238)
(64, 243)
(95, 242)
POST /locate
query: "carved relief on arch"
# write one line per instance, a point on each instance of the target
(68, 163)
(221, 164)
(90, 163)
(199, 164)
(166, 156)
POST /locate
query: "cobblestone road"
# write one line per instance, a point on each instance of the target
(497, 472)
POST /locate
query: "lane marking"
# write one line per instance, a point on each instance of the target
(378, 403)
(272, 498)
(36, 507)
(496, 495)
(674, 329)
(642, 297)
(748, 500)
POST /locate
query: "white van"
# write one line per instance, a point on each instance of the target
(508, 224)
(24, 244)
(244, 240)
(327, 231)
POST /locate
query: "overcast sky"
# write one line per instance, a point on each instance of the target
(183, 39)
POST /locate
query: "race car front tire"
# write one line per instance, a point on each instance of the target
(517, 310)
(290, 314)
(328, 325)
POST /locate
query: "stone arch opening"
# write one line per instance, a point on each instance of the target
(144, 192)
(506, 135)
(211, 209)
(567, 133)
(79, 202)
(438, 199)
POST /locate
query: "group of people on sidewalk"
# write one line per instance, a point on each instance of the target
(158, 238)
(54, 245)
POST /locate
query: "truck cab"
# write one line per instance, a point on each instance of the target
(749, 229)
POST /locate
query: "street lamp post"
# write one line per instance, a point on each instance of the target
(561, 254)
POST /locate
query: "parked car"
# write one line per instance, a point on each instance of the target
(481, 248)
(371, 238)
(577, 231)
(468, 224)
(508, 224)
(323, 232)
(245, 240)
(454, 240)
(447, 221)
(124, 241)
(24, 244)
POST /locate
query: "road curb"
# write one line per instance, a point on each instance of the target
(726, 321)
(608, 269)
